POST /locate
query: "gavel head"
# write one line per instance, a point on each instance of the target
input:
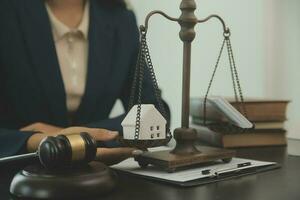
(67, 150)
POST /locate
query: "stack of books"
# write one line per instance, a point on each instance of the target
(268, 116)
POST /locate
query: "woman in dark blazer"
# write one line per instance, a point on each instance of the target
(32, 91)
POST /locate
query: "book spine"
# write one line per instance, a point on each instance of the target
(217, 139)
(254, 140)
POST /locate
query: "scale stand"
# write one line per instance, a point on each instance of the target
(186, 153)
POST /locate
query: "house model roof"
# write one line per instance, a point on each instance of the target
(148, 112)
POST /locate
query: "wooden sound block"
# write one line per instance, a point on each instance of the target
(169, 161)
(36, 182)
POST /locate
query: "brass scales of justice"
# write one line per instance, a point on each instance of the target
(186, 152)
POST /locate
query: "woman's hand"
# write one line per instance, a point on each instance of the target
(42, 128)
(108, 156)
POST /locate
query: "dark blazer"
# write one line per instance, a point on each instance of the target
(31, 86)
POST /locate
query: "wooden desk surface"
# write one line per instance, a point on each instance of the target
(281, 184)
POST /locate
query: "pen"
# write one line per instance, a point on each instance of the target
(206, 171)
(244, 164)
(216, 171)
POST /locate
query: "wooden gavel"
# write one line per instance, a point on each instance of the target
(62, 151)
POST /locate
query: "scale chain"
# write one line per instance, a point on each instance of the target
(144, 60)
(141, 65)
(134, 82)
(211, 80)
(232, 71)
(234, 76)
(154, 81)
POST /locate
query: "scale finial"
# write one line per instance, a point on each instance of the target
(187, 20)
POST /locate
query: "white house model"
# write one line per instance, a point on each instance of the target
(152, 123)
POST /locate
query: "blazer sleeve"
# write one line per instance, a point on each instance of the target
(148, 89)
(13, 142)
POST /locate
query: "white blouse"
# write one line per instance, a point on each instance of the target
(72, 52)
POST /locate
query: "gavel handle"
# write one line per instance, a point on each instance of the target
(18, 157)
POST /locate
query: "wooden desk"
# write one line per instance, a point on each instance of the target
(281, 184)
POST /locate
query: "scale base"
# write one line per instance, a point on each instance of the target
(35, 182)
(170, 162)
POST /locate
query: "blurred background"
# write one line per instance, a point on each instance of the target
(266, 44)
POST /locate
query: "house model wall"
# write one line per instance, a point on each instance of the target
(152, 124)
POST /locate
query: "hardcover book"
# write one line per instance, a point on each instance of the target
(257, 110)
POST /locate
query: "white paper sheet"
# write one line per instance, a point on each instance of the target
(131, 166)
